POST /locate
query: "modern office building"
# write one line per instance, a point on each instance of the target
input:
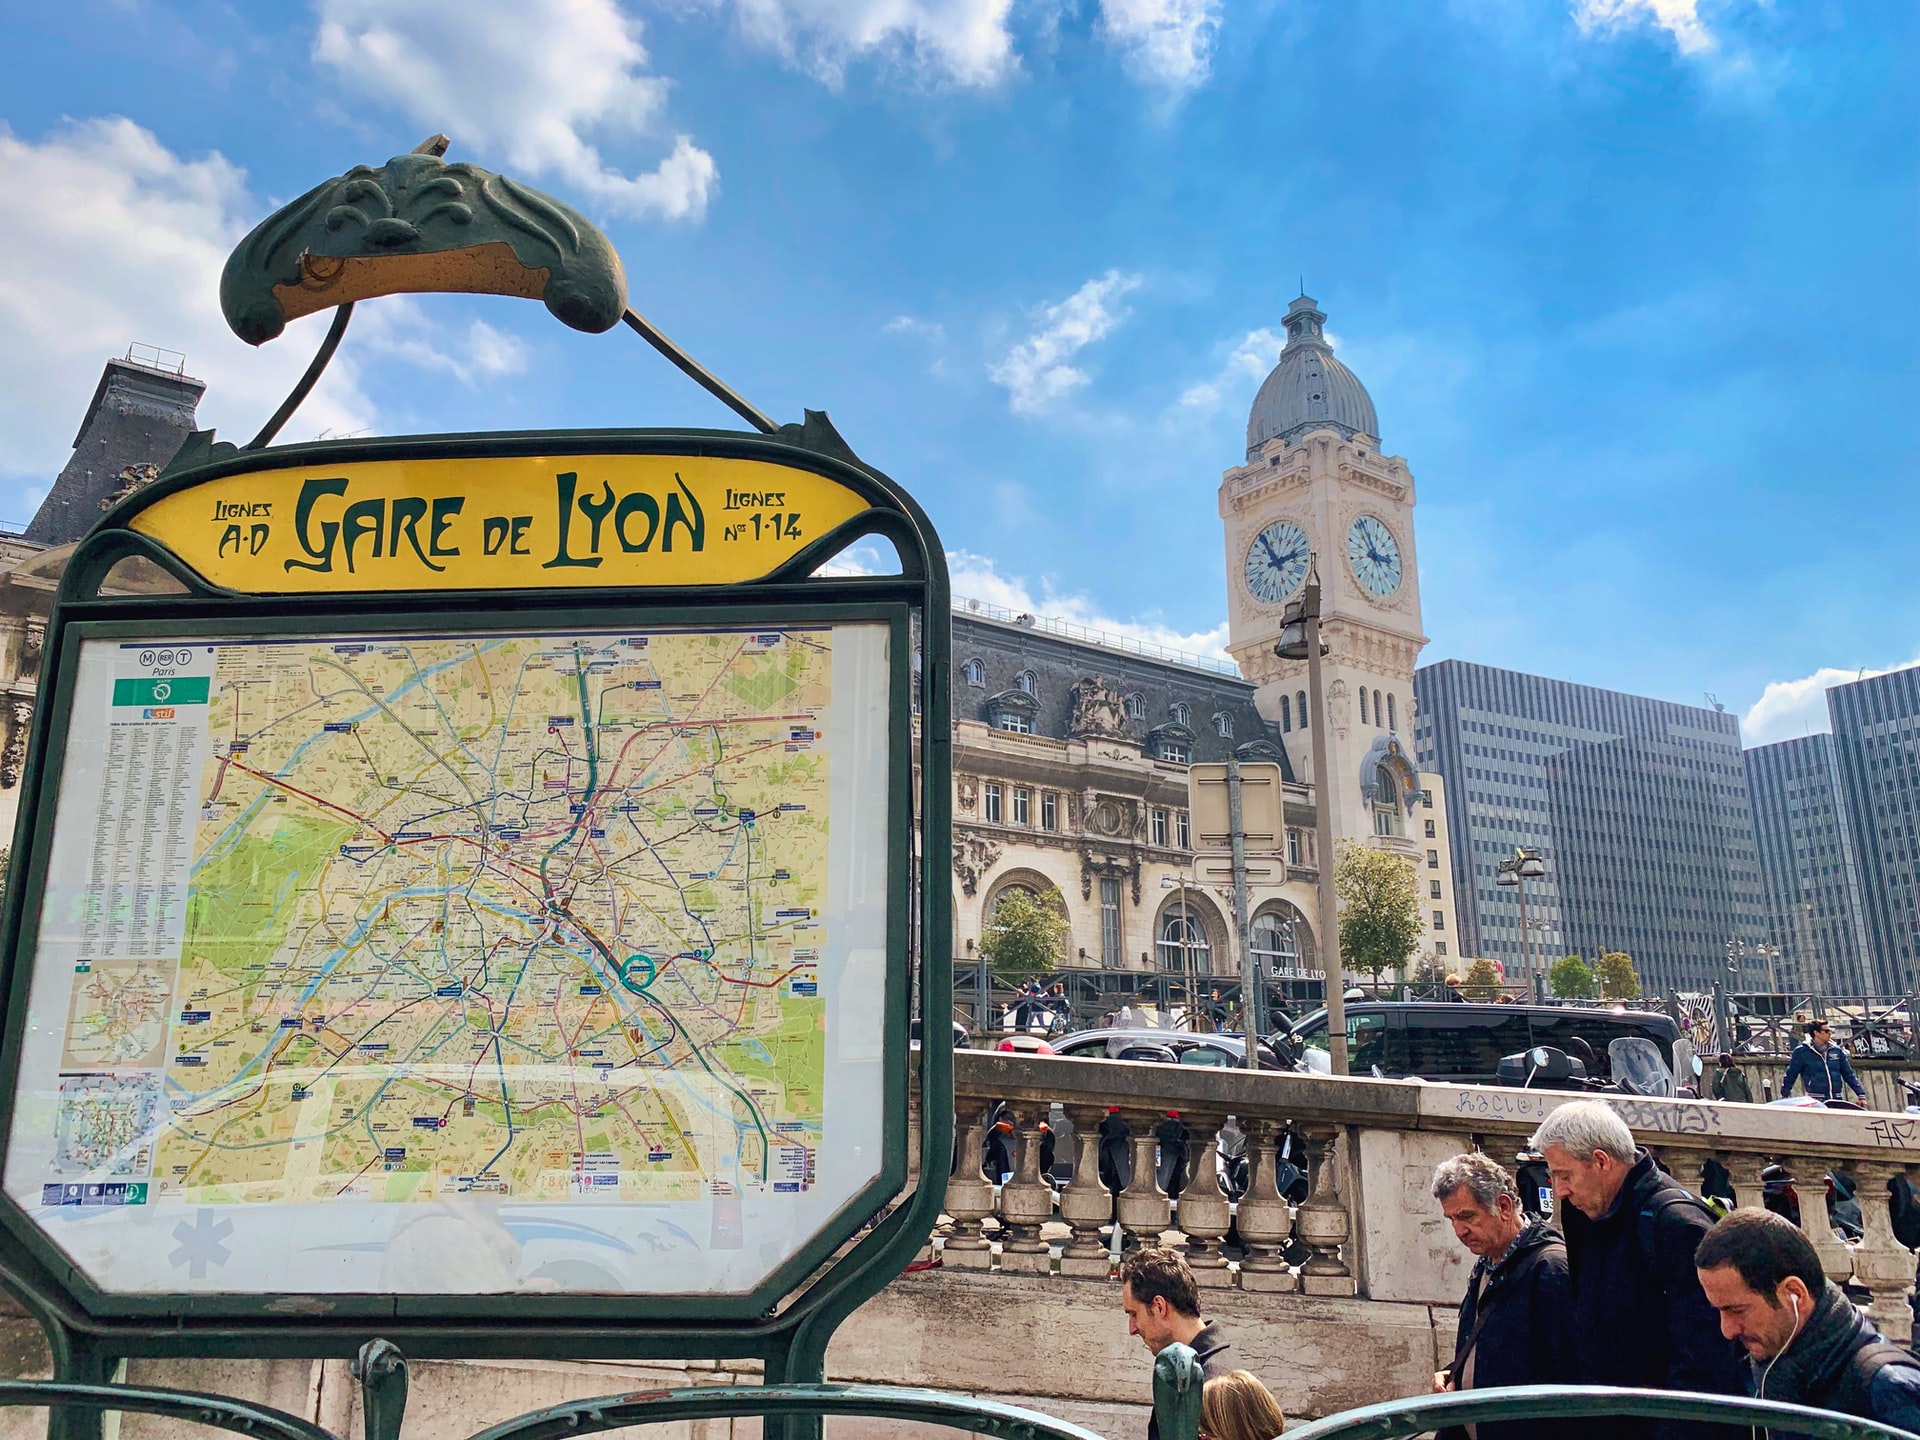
(1876, 742)
(1808, 869)
(1638, 806)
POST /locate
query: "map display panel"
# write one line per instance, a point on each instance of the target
(461, 962)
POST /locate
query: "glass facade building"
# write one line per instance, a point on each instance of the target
(1876, 742)
(1808, 868)
(1639, 807)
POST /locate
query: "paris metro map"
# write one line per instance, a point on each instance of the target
(469, 929)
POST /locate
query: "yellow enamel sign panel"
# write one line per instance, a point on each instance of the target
(498, 523)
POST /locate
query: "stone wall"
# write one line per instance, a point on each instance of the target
(1059, 1347)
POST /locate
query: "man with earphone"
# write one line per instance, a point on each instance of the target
(1806, 1343)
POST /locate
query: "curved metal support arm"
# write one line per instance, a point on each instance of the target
(697, 372)
(1398, 1418)
(702, 1402)
(307, 381)
(240, 1416)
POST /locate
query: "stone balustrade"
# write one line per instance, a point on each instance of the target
(1367, 1226)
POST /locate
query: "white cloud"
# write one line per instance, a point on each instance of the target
(527, 81)
(1164, 43)
(124, 242)
(907, 325)
(1036, 372)
(975, 577)
(399, 329)
(1679, 18)
(956, 42)
(1788, 709)
(1244, 368)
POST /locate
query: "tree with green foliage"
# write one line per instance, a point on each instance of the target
(1617, 978)
(1379, 908)
(1026, 935)
(1572, 979)
(1481, 982)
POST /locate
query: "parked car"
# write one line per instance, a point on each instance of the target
(1220, 1048)
(1464, 1043)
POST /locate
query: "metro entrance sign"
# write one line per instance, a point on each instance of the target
(465, 885)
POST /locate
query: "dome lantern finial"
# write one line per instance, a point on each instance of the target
(1304, 322)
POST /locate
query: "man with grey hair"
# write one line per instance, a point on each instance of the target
(1513, 1322)
(1639, 1316)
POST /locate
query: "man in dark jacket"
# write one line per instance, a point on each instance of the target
(1821, 1065)
(1639, 1317)
(1805, 1342)
(1513, 1322)
(1162, 1303)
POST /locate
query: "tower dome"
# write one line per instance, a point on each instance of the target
(1309, 388)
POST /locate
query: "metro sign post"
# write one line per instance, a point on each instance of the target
(464, 890)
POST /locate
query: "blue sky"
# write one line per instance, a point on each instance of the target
(1632, 282)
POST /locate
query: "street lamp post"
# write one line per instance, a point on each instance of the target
(1300, 640)
(1526, 864)
(1771, 954)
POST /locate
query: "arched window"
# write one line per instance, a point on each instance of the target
(1282, 942)
(1028, 681)
(1393, 719)
(975, 673)
(1286, 713)
(1386, 803)
(1136, 706)
(1181, 714)
(1300, 707)
(1223, 725)
(1182, 942)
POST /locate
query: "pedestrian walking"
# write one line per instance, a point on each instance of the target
(1730, 1082)
(1821, 1066)
(1639, 1316)
(1806, 1344)
(1513, 1326)
(1237, 1406)
(1163, 1306)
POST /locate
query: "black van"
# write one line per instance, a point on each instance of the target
(1463, 1043)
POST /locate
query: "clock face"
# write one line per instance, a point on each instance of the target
(1277, 561)
(1374, 555)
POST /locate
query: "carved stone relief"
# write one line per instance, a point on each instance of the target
(973, 857)
(13, 758)
(966, 792)
(1098, 710)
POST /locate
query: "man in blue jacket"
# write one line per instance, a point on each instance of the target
(1821, 1065)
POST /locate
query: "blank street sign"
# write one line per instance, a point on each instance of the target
(1261, 807)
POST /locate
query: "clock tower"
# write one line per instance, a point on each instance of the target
(1315, 483)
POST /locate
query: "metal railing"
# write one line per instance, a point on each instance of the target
(1106, 639)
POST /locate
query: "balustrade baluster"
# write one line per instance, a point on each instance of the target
(1144, 1208)
(1026, 1201)
(1265, 1219)
(1322, 1221)
(1880, 1261)
(1810, 1183)
(969, 1202)
(1203, 1210)
(1749, 1190)
(1086, 1204)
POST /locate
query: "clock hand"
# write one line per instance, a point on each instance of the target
(1272, 559)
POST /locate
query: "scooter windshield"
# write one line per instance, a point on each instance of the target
(1637, 1067)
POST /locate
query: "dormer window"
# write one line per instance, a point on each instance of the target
(1223, 725)
(975, 674)
(1013, 711)
(1029, 682)
(1136, 706)
(1180, 714)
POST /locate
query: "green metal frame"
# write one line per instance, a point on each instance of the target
(1397, 1418)
(243, 1417)
(787, 1320)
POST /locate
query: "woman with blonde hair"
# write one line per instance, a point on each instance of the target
(1236, 1406)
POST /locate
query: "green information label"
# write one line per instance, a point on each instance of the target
(181, 690)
